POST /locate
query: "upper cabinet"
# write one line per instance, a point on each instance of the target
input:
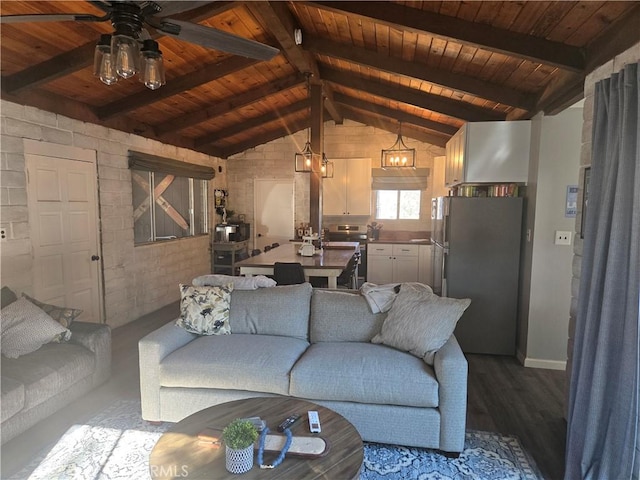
(349, 191)
(489, 152)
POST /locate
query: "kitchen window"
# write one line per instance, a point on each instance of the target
(398, 204)
(170, 198)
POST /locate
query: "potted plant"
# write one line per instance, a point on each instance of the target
(239, 437)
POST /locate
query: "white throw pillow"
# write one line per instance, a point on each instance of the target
(239, 283)
(205, 310)
(420, 322)
(26, 327)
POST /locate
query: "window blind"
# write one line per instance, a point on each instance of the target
(153, 163)
(399, 179)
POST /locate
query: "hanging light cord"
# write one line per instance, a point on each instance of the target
(283, 452)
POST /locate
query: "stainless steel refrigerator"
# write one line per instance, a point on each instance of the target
(476, 255)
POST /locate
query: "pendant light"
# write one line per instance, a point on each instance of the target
(327, 167)
(304, 159)
(398, 155)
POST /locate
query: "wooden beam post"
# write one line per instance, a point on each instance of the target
(317, 145)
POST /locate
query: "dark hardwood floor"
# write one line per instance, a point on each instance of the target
(503, 397)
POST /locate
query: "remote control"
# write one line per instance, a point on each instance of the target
(288, 422)
(314, 422)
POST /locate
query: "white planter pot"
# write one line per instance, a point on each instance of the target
(239, 461)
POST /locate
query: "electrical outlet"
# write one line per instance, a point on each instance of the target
(563, 237)
(3, 233)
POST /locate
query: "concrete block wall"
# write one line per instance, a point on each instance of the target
(137, 280)
(631, 55)
(276, 160)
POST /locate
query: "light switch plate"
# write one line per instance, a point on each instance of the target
(563, 237)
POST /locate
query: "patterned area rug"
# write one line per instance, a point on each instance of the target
(115, 445)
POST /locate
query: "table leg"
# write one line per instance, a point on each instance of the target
(333, 282)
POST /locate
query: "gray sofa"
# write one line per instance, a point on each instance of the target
(314, 345)
(42, 382)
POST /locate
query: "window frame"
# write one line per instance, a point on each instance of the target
(398, 205)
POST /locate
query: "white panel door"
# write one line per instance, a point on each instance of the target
(64, 233)
(273, 207)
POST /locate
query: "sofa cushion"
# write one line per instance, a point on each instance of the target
(420, 322)
(26, 327)
(12, 397)
(49, 370)
(342, 317)
(363, 373)
(281, 310)
(259, 363)
(205, 310)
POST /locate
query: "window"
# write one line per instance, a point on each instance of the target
(397, 204)
(169, 198)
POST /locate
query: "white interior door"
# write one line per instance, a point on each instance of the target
(64, 235)
(273, 209)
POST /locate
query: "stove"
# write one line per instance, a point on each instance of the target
(351, 233)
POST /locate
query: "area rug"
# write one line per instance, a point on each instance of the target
(115, 445)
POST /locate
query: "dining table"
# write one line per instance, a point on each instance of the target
(329, 261)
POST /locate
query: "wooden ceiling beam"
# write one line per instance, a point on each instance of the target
(387, 112)
(480, 35)
(229, 104)
(277, 19)
(395, 66)
(393, 127)
(619, 37)
(176, 86)
(254, 122)
(82, 57)
(266, 137)
(453, 108)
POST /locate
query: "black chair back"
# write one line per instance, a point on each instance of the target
(285, 273)
(255, 251)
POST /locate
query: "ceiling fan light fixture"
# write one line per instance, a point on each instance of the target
(152, 68)
(126, 52)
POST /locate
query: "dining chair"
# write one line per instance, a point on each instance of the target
(288, 273)
(255, 251)
(275, 244)
(267, 248)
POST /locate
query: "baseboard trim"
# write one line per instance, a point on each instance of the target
(547, 364)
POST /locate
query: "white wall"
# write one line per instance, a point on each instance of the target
(137, 280)
(547, 272)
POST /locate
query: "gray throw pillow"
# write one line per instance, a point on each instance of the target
(26, 327)
(420, 322)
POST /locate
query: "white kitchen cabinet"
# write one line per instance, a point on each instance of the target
(391, 263)
(349, 191)
(489, 152)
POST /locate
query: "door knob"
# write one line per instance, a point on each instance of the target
(95, 258)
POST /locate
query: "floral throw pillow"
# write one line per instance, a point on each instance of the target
(205, 310)
(64, 316)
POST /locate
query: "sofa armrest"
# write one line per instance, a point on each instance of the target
(152, 349)
(95, 337)
(451, 370)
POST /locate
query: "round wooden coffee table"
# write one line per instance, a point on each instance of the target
(179, 454)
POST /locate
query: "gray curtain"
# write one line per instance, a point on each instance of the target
(602, 431)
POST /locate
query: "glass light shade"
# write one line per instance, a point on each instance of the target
(107, 70)
(152, 68)
(126, 52)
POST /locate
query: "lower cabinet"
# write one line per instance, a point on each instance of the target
(391, 263)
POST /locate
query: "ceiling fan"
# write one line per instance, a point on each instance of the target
(121, 53)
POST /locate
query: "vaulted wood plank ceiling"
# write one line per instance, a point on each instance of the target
(423, 66)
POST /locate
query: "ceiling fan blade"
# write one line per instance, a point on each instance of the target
(173, 7)
(58, 17)
(218, 40)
